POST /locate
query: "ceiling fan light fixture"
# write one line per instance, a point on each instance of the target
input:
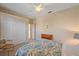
(38, 7)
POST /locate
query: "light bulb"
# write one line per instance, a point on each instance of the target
(38, 7)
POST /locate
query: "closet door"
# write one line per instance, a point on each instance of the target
(14, 29)
(0, 27)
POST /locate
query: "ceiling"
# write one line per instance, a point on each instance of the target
(28, 10)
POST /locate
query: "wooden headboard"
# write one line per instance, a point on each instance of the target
(47, 36)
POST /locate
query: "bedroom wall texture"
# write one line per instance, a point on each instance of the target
(14, 28)
(62, 24)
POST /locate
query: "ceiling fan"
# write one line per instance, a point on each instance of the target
(38, 7)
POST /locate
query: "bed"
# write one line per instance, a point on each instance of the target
(45, 47)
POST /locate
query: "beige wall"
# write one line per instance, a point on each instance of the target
(14, 28)
(61, 24)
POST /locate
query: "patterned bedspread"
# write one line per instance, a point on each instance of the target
(37, 48)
